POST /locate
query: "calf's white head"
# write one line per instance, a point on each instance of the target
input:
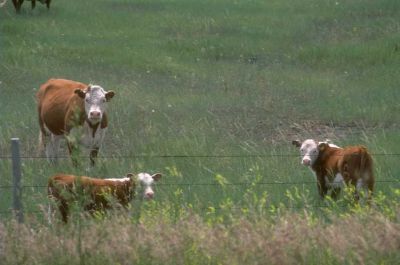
(95, 98)
(310, 148)
(146, 182)
(308, 151)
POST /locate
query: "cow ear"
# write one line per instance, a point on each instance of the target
(80, 93)
(322, 146)
(296, 143)
(157, 176)
(131, 176)
(109, 95)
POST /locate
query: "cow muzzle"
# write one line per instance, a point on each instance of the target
(306, 161)
(149, 195)
(95, 116)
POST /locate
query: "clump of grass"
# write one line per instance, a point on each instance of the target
(362, 236)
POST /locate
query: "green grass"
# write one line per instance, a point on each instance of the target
(216, 77)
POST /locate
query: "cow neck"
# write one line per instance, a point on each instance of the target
(317, 165)
(94, 127)
(323, 156)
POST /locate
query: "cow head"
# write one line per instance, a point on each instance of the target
(310, 149)
(146, 182)
(95, 98)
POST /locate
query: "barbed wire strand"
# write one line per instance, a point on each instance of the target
(225, 184)
(184, 156)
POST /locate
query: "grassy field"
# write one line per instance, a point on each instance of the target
(220, 87)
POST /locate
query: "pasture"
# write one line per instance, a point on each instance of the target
(211, 93)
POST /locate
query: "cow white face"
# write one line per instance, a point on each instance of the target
(95, 102)
(146, 182)
(308, 151)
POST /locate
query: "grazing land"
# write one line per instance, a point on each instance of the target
(210, 93)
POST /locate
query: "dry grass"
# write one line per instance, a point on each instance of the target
(292, 238)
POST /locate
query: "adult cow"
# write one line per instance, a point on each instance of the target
(18, 4)
(98, 194)
(334, 166)
(64, 105)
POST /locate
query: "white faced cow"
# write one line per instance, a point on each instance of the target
(64, 189)
(64, 105)
(334, 166)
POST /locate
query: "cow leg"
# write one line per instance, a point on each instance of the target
(50, 213)
(356, 185)
(33, 3)
(17, 5)
(93, 155)
(335, 193)
(42, 143)
(48, 4)
(73, 152)
(63, 207)
(322, 189)
(52, 148)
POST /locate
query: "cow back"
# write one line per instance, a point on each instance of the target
(56, 101)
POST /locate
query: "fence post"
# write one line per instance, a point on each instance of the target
(17, 190)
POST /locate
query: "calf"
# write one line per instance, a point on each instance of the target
(64, 105)
(334, 166)
(97, 194)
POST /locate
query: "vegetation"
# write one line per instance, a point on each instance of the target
(210, 93)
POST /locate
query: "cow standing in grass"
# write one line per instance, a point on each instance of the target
(98, 194)
(64, 105)
(334, 166)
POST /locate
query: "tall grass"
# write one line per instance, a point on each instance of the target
(363, 236)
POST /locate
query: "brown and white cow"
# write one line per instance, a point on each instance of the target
(334, 166)
(98, 194)
(64, 105)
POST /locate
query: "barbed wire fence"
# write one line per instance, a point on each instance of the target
(17, 210)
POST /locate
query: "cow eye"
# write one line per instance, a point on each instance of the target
(104, 100)
(87, 100)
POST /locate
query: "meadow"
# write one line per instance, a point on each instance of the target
(211, 94)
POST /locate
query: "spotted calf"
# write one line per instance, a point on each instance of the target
(334, 166)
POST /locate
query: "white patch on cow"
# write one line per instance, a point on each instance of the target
(87, 138)
(119, 179)
(329, 143)
(337, 182)
(95, 103)
(146, 181)
(360, 184)
(309, 152)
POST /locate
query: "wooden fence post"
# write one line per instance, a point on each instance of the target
(17, 189)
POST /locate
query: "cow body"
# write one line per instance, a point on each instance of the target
(98, 194)
(64, 105)
(18, 4)
(334, 166)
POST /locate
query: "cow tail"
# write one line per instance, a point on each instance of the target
(366, 167)
(50, 192)
(42, 133)
(365, 161)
